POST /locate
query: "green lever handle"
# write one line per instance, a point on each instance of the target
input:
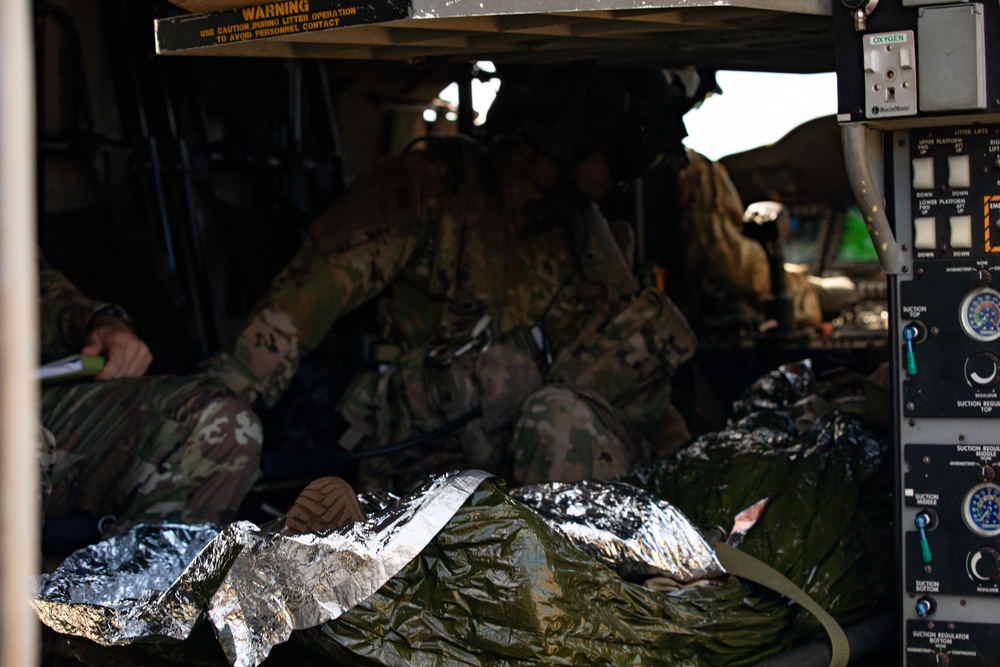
(925, 548)
(909, 333)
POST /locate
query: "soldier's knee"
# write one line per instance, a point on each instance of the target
(561, 437)
(227, 430)
(222, 458)
(242, 426)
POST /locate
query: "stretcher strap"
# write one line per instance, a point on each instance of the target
(747, 567)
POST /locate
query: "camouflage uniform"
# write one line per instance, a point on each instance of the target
(138, 449)
(717, 253)
(446, 236)
(711, 232)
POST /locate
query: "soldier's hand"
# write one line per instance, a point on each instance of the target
(124, 352)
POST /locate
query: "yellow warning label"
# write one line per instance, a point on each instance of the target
(273, 19)
(990, 203)
(279, 18)
(275, 9)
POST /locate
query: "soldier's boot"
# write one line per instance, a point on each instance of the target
(326, 503)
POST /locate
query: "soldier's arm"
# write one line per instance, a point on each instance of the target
(713, 231)
(73, 322)
(358, 246)
(353, 251)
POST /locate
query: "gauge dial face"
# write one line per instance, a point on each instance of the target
(980, 314)
(981, 510)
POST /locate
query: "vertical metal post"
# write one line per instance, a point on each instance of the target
(466, 112)
(19, 512)
(639, 259)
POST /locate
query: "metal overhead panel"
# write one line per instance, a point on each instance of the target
(764, 35)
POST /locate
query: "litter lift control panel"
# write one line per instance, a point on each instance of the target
(919, 109)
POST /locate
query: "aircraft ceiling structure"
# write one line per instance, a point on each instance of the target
(756, 35)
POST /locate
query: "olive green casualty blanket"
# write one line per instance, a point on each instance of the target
(497, 586)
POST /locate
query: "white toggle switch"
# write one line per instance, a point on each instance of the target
(958, 171)
(961, 231)
(923, 173)
(924, 235)
(905, 58)
(871, 61)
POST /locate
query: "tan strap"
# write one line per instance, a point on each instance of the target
(745, 566)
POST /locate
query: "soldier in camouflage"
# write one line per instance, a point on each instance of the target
(130, 447)
(708, 225)
(710, 229)
(502, 291)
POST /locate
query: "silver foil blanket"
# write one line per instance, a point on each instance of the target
(155, 581)
(625, 528)
(256, 587)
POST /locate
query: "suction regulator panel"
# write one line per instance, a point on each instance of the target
(950, 309)
(947, 338)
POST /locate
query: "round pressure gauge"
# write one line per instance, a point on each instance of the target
(980, 314)
(981, 509)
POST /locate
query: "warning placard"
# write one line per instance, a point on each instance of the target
(275, 19)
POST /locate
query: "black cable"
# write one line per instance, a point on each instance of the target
(579, 237)
(460, 420)
(286, 464)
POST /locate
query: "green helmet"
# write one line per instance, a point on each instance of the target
(570, 112)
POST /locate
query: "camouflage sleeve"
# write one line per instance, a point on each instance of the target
(712, 224)
(65, 312)
(359, 245)
(353, 251)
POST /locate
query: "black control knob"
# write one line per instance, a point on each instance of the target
(982, 370)
(984, 564)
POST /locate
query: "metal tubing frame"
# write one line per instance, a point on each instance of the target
(19, 422)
